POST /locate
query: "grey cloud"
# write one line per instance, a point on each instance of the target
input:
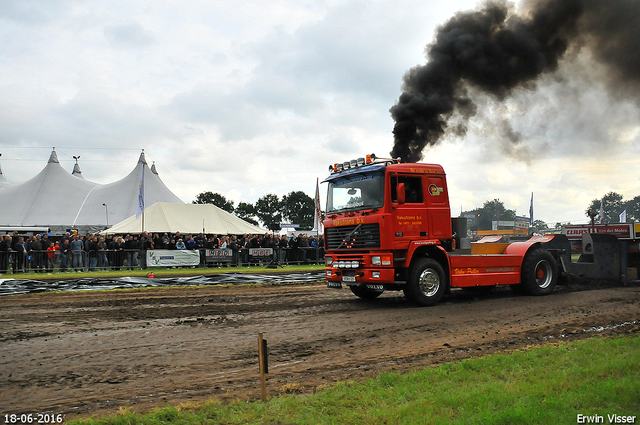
(33, 12)
(130, 34)
(235, 117)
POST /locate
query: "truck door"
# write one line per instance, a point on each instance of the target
(410, 217)
(438, 207)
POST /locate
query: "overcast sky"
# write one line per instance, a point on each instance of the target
(247, 98)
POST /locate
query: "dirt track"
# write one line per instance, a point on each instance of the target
(90, 353)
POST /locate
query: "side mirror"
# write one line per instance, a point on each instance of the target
(401, 193)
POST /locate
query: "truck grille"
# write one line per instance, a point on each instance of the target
(361, 236)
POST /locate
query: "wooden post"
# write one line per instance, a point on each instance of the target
(262, 361)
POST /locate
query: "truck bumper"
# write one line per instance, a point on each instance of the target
(371, 276)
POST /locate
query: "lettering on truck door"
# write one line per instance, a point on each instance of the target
(410, 218)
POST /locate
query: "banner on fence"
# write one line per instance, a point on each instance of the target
(260, 252)
(219, 255)
(172, 258)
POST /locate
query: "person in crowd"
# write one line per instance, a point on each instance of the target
(190, 243)
(233, 246)
(129, 247)
(172, 244)
(165, 240)
(103, 261)
(76, 252)
(158, 242)
(200, 246)
(293, 248)
(35, 252)
(5, 253)
(52, 251)
(91, 247)
(117, 253)
(282, 247)
(20, 255)
(65, 253)
(136, 252)
(180, 244)
(145, 244)
(304, 244)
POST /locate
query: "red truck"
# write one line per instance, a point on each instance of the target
(388, 226)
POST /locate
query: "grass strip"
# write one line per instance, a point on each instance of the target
(540, 385)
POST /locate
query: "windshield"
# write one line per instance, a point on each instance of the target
(356, 192)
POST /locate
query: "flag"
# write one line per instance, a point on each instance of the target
(317, 217)
(531, 211)
(601, 213)
(140, 209)
(623, 216)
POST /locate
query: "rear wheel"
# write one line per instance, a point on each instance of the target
(426, 283)
(366, 293)
(539, 272)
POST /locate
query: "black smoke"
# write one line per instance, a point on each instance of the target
(493, 51)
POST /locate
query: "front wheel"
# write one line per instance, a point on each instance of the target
(426, 283)
(539, 272)
(366, 293)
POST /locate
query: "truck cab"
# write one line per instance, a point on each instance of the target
(388, 226)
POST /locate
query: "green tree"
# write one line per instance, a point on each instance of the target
(247, 212)
(633, 209)
(216, 199)
(268, 210)
(488, 213)
(538, 225)
(613, 206)
(298, 207)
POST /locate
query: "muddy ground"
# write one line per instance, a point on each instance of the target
(88, 353)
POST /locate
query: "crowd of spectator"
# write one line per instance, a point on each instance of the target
(72, 252)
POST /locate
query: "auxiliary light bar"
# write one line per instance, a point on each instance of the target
(354, 163)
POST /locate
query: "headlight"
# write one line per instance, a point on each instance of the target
(328, 260)
(355, 264)
(375, 260)
(329, 273)
(375, 275)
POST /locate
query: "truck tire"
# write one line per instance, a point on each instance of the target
(366, 293)
(426, 283)
(539, 272)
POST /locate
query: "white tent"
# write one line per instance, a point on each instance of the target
(3, 180)
(164, 217)
(59, 200)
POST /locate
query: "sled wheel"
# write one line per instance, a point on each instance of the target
(539, 272)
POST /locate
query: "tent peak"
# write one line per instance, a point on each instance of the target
(142, 158)
(54, 157)
(77, 171)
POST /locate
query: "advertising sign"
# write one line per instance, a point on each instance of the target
(522, 222)
(219, 255)
(172, 258)
(261, 252)
(623, 231)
